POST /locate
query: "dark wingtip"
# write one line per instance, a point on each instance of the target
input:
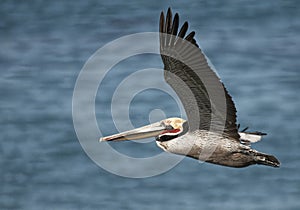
(169, 10)
(170, 25)
(175, 25)
(255, 132)
(168, 21)
(161, 22)
(183, 29)
(244, 129)
(190, 36)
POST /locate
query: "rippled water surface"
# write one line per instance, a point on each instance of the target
(255, 47)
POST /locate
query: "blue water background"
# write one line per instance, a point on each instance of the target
(254, 45)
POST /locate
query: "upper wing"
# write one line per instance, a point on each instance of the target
(205, 99)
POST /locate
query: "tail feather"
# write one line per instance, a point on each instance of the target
(265, 159)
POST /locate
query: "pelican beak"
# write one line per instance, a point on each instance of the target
(152, 130)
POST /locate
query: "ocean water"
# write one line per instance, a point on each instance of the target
(254, 45)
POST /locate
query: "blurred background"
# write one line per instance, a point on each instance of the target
(253, 44)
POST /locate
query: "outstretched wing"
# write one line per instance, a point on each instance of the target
(200, 90)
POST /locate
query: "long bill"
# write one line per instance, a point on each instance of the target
(148, 131)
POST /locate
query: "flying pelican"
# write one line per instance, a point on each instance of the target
(196, 137)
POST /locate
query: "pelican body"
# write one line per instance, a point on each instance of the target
(211, 133)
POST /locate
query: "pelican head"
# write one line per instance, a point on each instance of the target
(162, 131)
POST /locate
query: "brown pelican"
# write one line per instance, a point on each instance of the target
(200, 136)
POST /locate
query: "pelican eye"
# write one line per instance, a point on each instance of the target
(169, 127)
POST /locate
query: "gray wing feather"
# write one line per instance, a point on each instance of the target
(195, 83)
